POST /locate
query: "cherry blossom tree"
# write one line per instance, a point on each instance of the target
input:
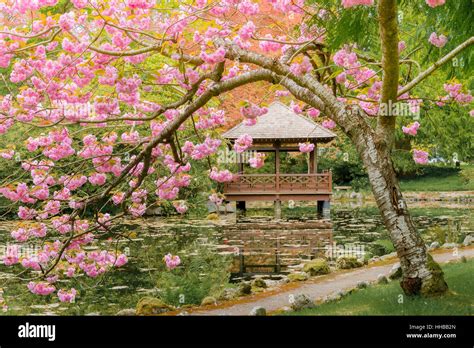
(81, 79)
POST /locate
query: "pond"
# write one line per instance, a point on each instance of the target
(152, 238)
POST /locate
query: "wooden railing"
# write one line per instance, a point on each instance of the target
(280, 183)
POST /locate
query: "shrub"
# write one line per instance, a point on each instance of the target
(151, 306)
(317, 267)
(382, 247)
(348, 262)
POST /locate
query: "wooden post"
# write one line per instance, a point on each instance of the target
(277, 180)
(320, 205)
(315, 164)
(240, 164)
(242, 262)
(240, 205)
(311, 162)
(330, 180)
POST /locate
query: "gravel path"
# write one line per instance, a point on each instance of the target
(318, 287)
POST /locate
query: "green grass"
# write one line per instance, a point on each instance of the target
(384, 299)
(463, 181)
(450, 183)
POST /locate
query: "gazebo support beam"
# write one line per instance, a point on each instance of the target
(240, 206)
(324, 209)
(313, 160)
(277, 180)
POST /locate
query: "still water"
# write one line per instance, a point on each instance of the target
(152, 238)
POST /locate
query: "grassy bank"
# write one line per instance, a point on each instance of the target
(385, 299)
(461, 181)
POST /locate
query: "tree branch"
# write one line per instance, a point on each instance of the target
(388, 28)
(436, 65)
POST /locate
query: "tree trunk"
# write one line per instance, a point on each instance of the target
(421, 275)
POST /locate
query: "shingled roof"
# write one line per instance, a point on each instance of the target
(281, 123)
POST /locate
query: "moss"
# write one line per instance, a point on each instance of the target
(397, 274)
(213, 216)
(435, 285)
(256, 290)
(411, 286)
(297, 277)
(348, 262)
(259, 283)
(209, 300)
(317, 267)
(245, 289)
(152, 306)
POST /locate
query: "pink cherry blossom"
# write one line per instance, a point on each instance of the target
(79, 3)
(247, 30)
(312, 112)
(140, 4)
(350, 3)
(420, 156)
(25, 213)
(296, 108)
(401, 46)
(434, 3)
(412, 129)
(257, 161)
(242, 143)
(11, 256)
(215, 57)
(137, 209)
(281, 93)
(41, 288)
(215, 198)
(346, 59)
(329, 124)
(121, 260)
(301, 68)
(97, 179)
(306, 147)
(31, 262)
(269, 45)
(438, 41)
(341, 78)
(172, 261)
(180, 207)
(67, 296)
(248, 8)
(221, 176)
(455, 92)
(67, 21)
(118, 198)
(252, 111)
(70, 272)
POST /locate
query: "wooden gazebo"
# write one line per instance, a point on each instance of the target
(281, 130)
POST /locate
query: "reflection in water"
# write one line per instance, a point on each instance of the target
(153, 238)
